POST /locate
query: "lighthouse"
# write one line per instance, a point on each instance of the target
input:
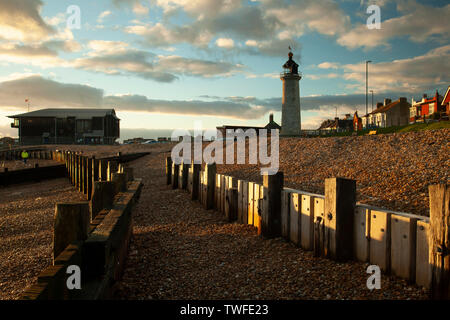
(290, 111)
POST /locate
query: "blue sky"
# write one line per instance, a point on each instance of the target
(163, 64)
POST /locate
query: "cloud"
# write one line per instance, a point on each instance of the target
(266, 27)
(20, 20)
(328, 65)
(420, 23)
(136, 5)
(47, 93)
(116, 58)
(226, 43)
(412, 75)
(103, 15)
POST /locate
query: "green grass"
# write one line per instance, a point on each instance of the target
(406, 128)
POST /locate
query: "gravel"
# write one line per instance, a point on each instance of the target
(392, 171)
(181, 251)
(26, 231)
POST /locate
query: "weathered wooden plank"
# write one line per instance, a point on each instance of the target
(380, 239)
(307, 222)
(439, 240)
(423, 266)
(251, 189)
(319, 226)
(295, 220)
(403, 247)
(340, 202)
(245, 203)
(271, 219)
(285, 219)
(361, 233)
(256, 207)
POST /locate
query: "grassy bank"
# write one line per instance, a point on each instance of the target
(407, 128)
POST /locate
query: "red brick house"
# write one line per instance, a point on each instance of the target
(421, 110)
(357, 122)
(446, 103)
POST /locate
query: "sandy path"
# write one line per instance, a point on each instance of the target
(181, 251)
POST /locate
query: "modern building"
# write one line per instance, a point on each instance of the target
(290, 110)
(67, 126)
(426, 108)
(271, 125)
(388, 114)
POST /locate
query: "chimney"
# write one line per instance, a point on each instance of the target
(403, 99)
(387, 101)
(424, 96)
(379, 104)
(271, 117)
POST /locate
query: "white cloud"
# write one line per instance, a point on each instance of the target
(103, 15)
(328, 65)
(413, 75)
(226, 43)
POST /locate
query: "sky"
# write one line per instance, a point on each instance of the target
(168, 64)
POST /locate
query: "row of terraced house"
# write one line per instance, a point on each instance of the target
(395, 113)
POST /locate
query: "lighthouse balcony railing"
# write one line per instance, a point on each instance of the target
(288, 73)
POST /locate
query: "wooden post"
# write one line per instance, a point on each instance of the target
(340, 202)
(95, 173)
(439, 240)
(129, 172)
(112, 168)
(102, 197)
(84, 171)
(71, 223)
(184, 175)
(80, 172)
(231, 200)
(120, 182)
(175, 173)
(210, 180)
(103, 170)
(195, 168)
(89, 178)
(168, 170)
(271, 219)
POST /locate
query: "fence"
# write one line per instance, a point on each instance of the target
(81, 169)
(92, 235)
(333, 225)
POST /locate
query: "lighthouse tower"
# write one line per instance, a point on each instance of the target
(290, 112)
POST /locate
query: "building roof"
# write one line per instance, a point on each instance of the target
(446, 96)
(86, 113)
(384, 108)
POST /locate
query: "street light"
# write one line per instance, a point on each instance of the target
(372, 99)
(367, 81)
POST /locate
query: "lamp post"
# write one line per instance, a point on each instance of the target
(372, 99)
(367, 82)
